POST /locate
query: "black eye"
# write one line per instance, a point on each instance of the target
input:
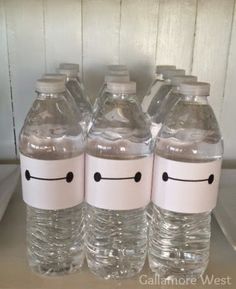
(165, 177)
(27, 175)
(97, 177)
(69, 177)
(211, 179)
(137, 177)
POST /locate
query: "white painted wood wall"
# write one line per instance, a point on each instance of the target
(35, 35)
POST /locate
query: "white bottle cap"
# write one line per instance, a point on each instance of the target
(50, 85)
(195, 88)
(69, 72)
(117, 67)
(122, 87)
(54, 76)
(74, 66)
(177, 80)
(167, 74)
(118, 72)
(116, 78)
(161, 68)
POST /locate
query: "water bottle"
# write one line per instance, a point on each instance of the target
(164, 105)
(156, 84)
(69, 98)
(52, 147)
(159, 93)
(102, 93)
(186, 176)
(73, 85)
(73, 66)
(118, 177)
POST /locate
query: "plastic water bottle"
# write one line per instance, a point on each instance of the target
(156, 84)
(52, 166)
(102, 94)
(185, 184)
(73, 85)
(159, 93)
(118, 177)
(69, 98)
(172, 97)
(164, 105)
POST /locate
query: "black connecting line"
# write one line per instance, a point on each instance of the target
(98, 177)
(165, 178)
(69, 177)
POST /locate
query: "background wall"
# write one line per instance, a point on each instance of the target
(36, 35)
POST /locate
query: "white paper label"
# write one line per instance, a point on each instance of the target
(52, 184)
(118, 184)
(185, 187)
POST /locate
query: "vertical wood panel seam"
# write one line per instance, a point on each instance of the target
(158, 17)
(228, 56)
(10, 80)
(44, 36)
(194, 37)
(120, 19)
(82, 38)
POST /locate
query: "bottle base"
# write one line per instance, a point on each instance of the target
(55, 271)
(177, 272)
(108, 273)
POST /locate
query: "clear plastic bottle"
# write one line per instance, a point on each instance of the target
(102, 93)
(118, 170)
(185, 183)
(164, 108)
(159, 91)
(68, 96)
(74, 86)
(164, 105)
(156, 84)
(52, 147)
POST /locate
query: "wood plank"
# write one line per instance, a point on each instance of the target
(101, 25)
(228, 110)
(176, 28)
(26, 53)
(138, 40)
(214, 19)
(7, 144)
(63, 32)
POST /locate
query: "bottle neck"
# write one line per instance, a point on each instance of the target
(42, 96)
(195, 98)
(159, 77)
(120, 96)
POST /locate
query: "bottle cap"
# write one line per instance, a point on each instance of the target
(116, 78)
(50, 85)
(69, 72)
(161, 68)
(195, 88)
(167, 74)
(74, 66)
(118, 72)
(117, 67)
(177, 80)
(122, 87)
(54, 76)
